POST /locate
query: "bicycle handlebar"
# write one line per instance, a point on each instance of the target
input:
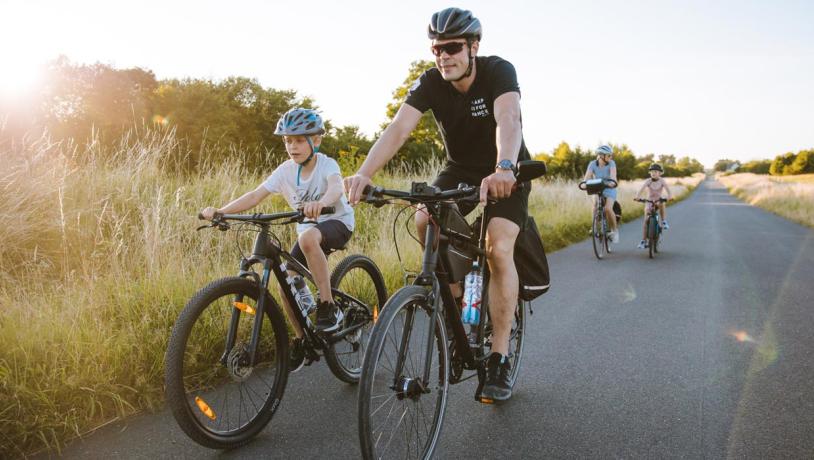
(642, 200)
(295, 216)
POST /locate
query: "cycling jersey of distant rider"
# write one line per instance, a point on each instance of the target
(467, 121)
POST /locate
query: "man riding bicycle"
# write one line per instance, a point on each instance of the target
(476, 102)
(605, 168)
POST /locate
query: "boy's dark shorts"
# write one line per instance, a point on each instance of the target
(515, 208)
(334, 236)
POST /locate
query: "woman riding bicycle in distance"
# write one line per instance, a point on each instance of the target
(654, 188)
(310, 181)
(605, 168)
(476, 102)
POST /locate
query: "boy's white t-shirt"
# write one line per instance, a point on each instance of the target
(284, 181)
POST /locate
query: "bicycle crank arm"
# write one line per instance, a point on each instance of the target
(337, 336)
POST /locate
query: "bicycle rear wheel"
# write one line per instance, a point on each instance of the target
(401, 414)
(217, 397)
(516, 337)
(361, 294)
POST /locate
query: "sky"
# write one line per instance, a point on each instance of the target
(722, 79)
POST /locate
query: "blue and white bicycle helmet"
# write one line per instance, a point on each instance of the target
(604, 150)
(300, 122)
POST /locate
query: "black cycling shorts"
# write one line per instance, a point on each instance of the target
(514, 208)
(334, 236)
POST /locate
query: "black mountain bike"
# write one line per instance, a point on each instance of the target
(419, 345)
(227, 368)
(599, 223)
(653, 225)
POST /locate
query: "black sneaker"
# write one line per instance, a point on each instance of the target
(329, 317)
(497, 385)
(296, 355)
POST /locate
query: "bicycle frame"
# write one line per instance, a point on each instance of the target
(441, 294)
(271, 257)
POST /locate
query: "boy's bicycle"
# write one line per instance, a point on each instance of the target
(419, 345)
(653, 225)
(599, 223)
(227, 368)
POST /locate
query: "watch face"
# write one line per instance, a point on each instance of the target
(505, 164)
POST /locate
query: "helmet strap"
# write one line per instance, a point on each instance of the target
(314, 150)
(471, 61)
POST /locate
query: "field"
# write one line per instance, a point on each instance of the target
(789, 196)
(98, 256)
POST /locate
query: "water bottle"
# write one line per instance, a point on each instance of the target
(303, 295)
(473, 285)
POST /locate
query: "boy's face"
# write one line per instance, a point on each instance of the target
(298, 148)
(654, 174)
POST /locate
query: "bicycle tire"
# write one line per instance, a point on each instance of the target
(651, 235)
(402, 302)
(596, 235)
(357, 342)
(190, 414)
(516, 337)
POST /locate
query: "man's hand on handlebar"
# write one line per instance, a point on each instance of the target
(497, 185)
(354, 186)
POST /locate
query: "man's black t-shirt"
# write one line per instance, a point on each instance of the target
(467, 121)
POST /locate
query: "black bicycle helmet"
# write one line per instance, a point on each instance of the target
(454, 23)
(655, 167)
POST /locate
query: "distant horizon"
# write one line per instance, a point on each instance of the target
(729, 81)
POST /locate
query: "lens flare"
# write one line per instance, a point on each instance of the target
(742, 336)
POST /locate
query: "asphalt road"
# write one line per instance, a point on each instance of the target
(704, 352)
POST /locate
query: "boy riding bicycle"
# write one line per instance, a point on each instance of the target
(654, 186)
(309, 181)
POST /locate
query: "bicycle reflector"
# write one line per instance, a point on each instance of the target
(243, 307)
(486, 400)
(375, 314)
(204, 407)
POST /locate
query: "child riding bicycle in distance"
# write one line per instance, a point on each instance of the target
(654, 186)
(309, 181)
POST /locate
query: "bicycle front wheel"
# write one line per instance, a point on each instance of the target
(598, 236)
(361, 293)
(217, 396)
(401, 410)
(653, 236)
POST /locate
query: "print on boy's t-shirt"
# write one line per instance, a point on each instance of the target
(284, 181)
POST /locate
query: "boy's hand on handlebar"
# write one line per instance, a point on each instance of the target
(208, 213)
(354, 185)
(312, 209)
(497, 185)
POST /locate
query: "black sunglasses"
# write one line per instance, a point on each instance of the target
(450, 48)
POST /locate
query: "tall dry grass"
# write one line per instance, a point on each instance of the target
(789, 196)
(98, 254)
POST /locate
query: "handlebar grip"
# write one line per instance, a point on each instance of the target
(328, 210)
(201, 217)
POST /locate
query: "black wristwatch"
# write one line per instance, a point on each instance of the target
(506, 165)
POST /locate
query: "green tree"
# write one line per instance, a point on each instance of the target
(425, 141)
(756, 166)
(780, 163)
(803, 163)
(722, 165)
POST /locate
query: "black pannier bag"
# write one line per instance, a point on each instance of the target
(531, 262)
